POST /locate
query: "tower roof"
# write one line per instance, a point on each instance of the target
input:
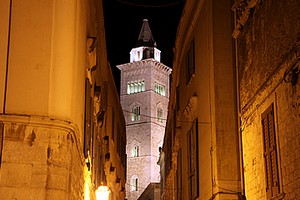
(145, 38)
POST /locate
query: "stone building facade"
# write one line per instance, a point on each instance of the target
(268, 62)
(235, 92)
(201, 141)
(62, 130)
(144, 96)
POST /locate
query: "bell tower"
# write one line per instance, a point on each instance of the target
(144, 96)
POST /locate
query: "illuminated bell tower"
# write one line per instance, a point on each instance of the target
(144, 96)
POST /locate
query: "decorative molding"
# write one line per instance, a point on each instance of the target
(147, 63)
(242, 9)
(68, 127)
(190, 110)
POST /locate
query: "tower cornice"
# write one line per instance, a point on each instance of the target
(145, 64)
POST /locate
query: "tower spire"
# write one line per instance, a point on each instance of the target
(145, 46)
(145, 37)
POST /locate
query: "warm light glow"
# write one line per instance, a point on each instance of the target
(87, 191)
(87, 184)
(102, 193)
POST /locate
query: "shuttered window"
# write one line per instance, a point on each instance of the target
(177, 99)
(88, 118)
(1, 139)
(270, 153)
(179, 176)
(193, 158)
(190, 62)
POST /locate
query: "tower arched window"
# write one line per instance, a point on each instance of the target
(134, 183)
(135, 151)
(135, 115)
(160, 89)
(159, 115)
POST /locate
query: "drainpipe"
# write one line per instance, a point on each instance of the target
(7, 56)
(240, 139)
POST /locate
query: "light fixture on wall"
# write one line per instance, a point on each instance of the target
(102, 193)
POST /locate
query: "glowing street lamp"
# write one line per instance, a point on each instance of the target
(102, 193)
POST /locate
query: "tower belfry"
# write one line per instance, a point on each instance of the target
(144, 96)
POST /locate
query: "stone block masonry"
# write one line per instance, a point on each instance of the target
(41, 159)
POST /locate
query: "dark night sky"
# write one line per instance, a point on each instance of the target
(123, 22)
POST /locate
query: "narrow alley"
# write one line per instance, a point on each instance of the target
(210, 111)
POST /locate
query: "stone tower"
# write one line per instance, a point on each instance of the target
(144, 96)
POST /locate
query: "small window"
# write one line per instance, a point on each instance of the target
(160, 89)
(159, 115)
(193, 158)
(135, 115)
(88, 116)
(190, 62)
(135, 151)
(179, 175)
(134, 184)
(177, 99)
(1, 139)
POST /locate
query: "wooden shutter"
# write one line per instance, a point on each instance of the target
(179, 176)
(87, 118)
(270, 153)
(193, 157)
(1, 139)
(177, 99)
(190, 61)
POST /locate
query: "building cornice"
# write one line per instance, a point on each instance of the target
(143, 64)
(68, 127)
(242, 10)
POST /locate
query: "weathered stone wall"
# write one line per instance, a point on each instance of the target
(267, 39)
(268, 48)
(287, 128)
(41, 159)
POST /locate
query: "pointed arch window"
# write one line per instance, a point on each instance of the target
(135, 115)
(134, 183)
(159, 115)
(160, 89)
(135, 151)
